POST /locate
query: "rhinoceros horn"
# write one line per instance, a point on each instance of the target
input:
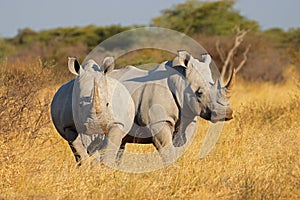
(229, 84)
(96, 100)
(100, 113)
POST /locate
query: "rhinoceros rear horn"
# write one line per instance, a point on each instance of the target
(230, 83)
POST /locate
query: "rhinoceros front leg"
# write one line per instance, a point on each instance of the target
(77, 147)
(112, 146)
(162, 140)
(120, 153)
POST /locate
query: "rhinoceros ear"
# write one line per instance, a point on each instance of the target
(184, 58)
(206, 58)
(74, 66)
(108, 64)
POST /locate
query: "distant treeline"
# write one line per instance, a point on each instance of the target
(212, 24)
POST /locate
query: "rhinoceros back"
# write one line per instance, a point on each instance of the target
(61, 110)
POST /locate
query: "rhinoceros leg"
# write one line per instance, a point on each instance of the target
(120, 153)
(112, 146)
(76, 145)
(162, 140)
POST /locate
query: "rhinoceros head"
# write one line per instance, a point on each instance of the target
(91, 96)
(212, 97)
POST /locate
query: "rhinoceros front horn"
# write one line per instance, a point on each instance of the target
(96, 100)
(229, 84)
(101, 114)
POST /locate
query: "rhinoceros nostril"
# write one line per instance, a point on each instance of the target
(107, 104)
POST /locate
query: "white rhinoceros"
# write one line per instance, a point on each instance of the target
(90, 106)
(169, 98)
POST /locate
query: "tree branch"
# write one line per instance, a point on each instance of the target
(220, 51)
(242, 63)
(239, 37)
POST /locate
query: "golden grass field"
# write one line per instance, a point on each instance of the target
(257, 155)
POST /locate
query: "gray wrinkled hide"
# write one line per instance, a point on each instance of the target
(76, 118)
(62, 118)
(167, 101)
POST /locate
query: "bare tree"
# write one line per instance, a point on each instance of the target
(227, 59)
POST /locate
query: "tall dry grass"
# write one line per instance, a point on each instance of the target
(256, 157)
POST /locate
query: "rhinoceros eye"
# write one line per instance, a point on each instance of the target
(199, 93)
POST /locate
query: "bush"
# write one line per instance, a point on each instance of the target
(21, 110)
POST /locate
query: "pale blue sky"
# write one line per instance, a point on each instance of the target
(39, 14)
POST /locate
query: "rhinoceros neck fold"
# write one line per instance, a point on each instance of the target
(183, 95)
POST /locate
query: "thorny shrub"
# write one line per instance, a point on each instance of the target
(24, 108)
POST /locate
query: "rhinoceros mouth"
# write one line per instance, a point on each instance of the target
(228, 118)
(221, 119)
